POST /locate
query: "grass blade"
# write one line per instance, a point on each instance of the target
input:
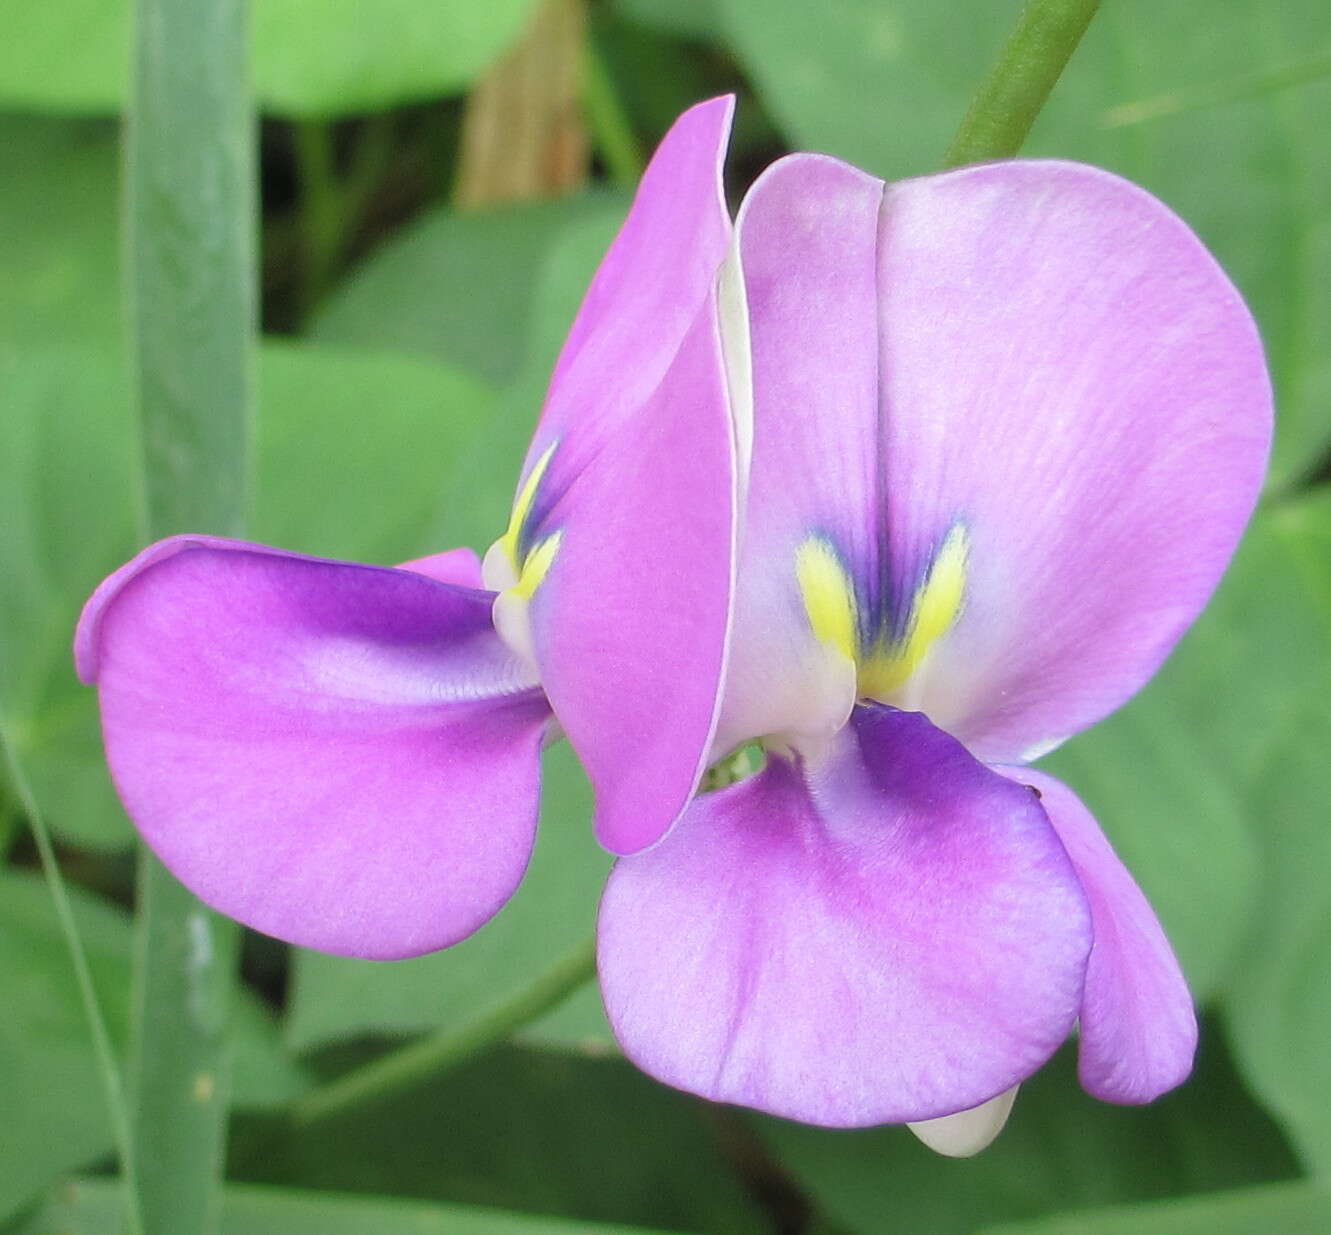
(190, 232)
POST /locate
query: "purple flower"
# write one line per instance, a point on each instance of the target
(908, 483)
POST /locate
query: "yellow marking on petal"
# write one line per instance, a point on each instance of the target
(536, 567)
(522, 508)
(829, 600)
(935, 607)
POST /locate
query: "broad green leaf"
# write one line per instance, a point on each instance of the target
(374, 457)
(553, 911)
(381, 458)
(1290, 1209)
(90, 1207)
(54, 1119)
(1060, 1150)
(59, 265)
(884, 83)
(522, 1128)
(1278, 1007)
(67, 477)
(312, 58)
(458, 286)
(332, 57)
(699, 19)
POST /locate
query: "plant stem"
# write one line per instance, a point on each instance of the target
(107, 1064)
(1010, 97)
(190, 224)
(437, 1054)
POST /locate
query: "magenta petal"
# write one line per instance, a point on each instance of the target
(644, 297)
(633, 507)
(461, 567)
(896, 936)
(630, 627)
(342, 756)
(1069, 377)
(1138, 1027)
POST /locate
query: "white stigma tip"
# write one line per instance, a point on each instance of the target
(965, 1133)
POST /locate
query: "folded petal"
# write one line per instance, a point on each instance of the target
(1075, 394)
(630, 623)
(893, 936)
(615, 574)
(644, 297)
(342, 756)
(808, 241)
(1138, 1030)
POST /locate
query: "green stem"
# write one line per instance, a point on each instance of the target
(1010, 97)
(107, 1064)
(439, 1053)
(612, 132)
(184, 968)
(191, 206)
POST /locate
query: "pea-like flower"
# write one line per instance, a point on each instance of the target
(907, 483)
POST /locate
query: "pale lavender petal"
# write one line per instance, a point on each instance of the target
(643, 299)
(630, 627)
(461, 567)
(342, 756)
(1070, 379)
(808, 239)
(1138, 1027)
(894, 937)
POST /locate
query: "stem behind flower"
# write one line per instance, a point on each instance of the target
(1010, 97)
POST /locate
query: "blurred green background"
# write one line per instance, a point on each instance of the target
(439, 178)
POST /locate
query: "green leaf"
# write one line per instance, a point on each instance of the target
(1278, 1007)
(419, 474)
(458, 286)
(1060, 1150)
(1252, 174)
(312, 58)
(553, 911)
(883, 83)
(323, 58)
(89, 1207)
(66, 502)
(522, 1128)
(1290, 1209)
(55, 1120)
(361, 456)
(59, 266)
(699, 19)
